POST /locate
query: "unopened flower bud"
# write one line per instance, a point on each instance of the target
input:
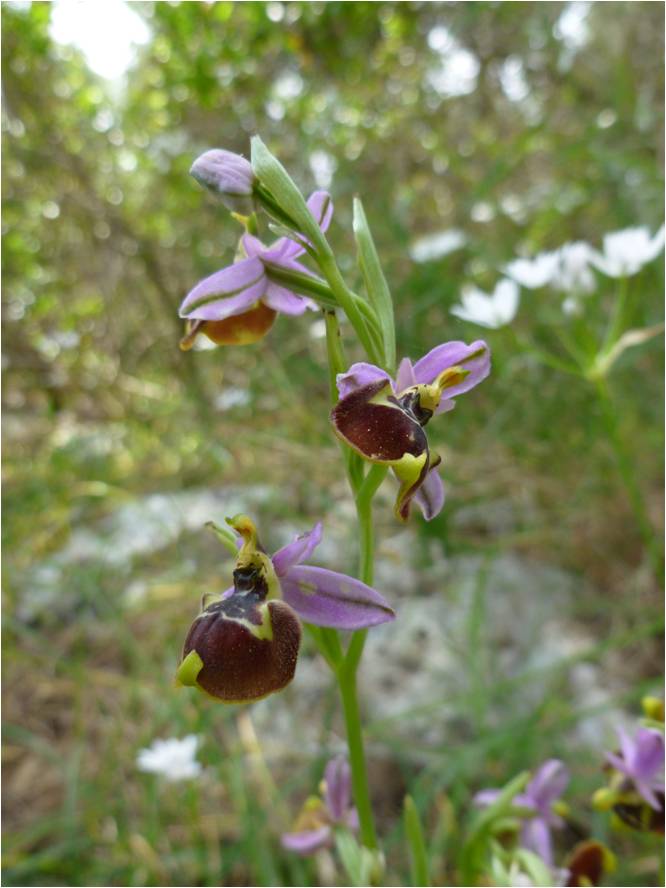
(226, 174)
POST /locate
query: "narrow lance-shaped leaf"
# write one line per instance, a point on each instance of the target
(356, 860)
(273, 175)
(416, 841)
(375, 282)
(473, 851)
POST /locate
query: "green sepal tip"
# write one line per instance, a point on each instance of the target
(189, 669)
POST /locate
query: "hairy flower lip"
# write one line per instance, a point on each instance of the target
(383, 418)
(244, 645)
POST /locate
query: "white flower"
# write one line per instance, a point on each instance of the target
(173, 759)
(435, 246)
(573, 273)
(626, 252)
(489, 311)
(534, 273)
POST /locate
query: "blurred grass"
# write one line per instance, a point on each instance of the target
(121, 414)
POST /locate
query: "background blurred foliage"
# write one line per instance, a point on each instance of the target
(104, 232)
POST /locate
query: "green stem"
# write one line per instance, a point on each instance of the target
(544, 357)
(359, 775)
(345, 298)
(628, 475)
(318, 290)
(364, 489)
(347, 673)
(616, 323)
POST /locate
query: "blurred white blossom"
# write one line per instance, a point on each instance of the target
(626, 252)
(434, 246)
(173, 759)
(534, 273)
(493, 310)
(573, 273)
(567, 268)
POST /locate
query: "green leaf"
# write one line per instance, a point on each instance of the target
(375, 282)
(474, 851)
(534, 866)
(416, 841)
(284, 191)
(357, 861)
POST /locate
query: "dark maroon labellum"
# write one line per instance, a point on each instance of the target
(248, 646)
(586, 864)
(380, 431)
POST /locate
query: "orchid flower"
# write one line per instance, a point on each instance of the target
(244, 645)
(238, 304)
(383, 418)
(626, 252)
(545, 787)
(314, 826)
(641, 762)
(173, 759)
(494, 310)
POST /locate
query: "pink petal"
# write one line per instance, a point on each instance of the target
(230, 291)
(474, 357)
(405, 377)
(430, 496)
(297, 551)
(326, 598)
(253, 246)
(548, 783)
(337, 777)
(283, 300)
(357, 376)
(649, 757)
(535, 836)
(321, 207)
(308, 841)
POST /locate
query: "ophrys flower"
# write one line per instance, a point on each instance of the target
(244, 645)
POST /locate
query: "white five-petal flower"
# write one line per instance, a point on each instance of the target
(494, 310)
(626, 252)
(173, 759)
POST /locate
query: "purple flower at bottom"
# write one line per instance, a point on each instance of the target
(545, 787)
(314, 826)
(641, 759)
(244, 645)
(383, 418)
(244, 288)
